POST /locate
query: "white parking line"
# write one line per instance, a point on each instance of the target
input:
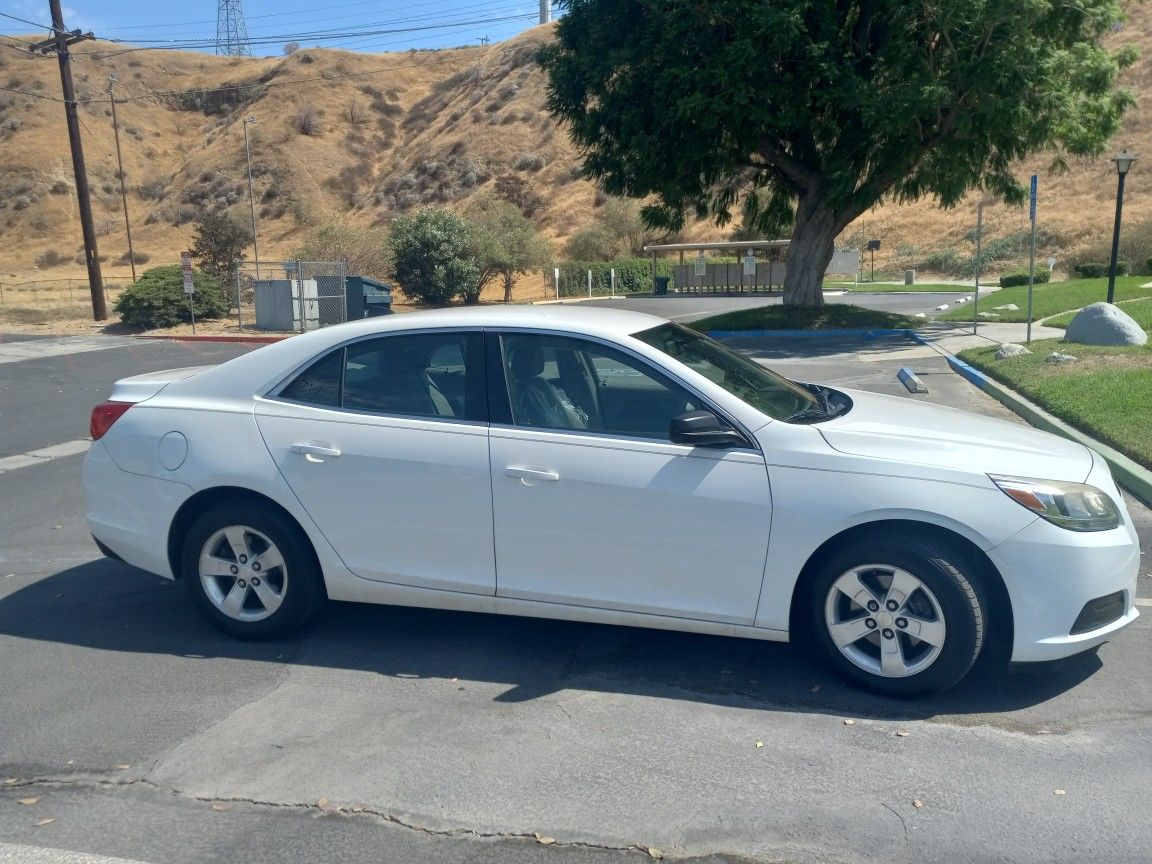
(1140, 601)
(45, 454)
(15, 352)
(20, 854)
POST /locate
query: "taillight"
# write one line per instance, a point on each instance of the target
(104, 415)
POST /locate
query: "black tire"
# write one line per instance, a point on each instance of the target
(948, 609)
(277, 600)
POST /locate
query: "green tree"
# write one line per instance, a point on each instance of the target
(434, 255)
(220, 242)
(594, 243)
(157, 298)
(365, 249)
(828, 106)
(505, 243)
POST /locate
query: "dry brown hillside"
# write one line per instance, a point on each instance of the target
(371, 136)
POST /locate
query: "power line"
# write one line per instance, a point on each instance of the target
(26, 21)
(313, 36)
(36, 95)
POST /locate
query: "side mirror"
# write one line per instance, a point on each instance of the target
(703, 429)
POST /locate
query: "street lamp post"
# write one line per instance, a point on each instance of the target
(987, 199)
(1123, 161)
(251, 195)
(120, 167)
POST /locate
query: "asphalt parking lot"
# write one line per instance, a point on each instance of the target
(412, 735)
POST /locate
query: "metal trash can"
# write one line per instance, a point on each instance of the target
(662, 285)
(909, 277)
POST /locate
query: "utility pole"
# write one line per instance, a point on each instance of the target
(251, 194)
(120, 166)
(58, 44)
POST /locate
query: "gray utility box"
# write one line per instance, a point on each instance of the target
(367, 298)
(286, 304)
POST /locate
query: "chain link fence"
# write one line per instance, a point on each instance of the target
(291, 296)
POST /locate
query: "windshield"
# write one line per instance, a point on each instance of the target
(761, 388)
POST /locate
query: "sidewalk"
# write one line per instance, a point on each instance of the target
(951, 339)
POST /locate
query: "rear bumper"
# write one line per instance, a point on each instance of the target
(129, 515)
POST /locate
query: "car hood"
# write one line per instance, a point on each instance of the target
(911, 432)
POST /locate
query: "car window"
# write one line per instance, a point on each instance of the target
(557, 382)
(419, 375)
(319, 384)
(756, 385)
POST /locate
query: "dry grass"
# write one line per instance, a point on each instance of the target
(473, 112)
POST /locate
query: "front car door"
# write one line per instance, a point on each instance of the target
(385, 443)
(593, 504)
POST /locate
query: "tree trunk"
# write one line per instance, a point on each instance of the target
(813, 242)
(507, 286)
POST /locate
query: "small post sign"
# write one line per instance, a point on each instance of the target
(189, 288)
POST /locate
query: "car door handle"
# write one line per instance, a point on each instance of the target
(315, 452)
(527, 474)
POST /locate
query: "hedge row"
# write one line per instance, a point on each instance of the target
(1020, 277)
(633, 276)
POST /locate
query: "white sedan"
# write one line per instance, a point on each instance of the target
(608, 466)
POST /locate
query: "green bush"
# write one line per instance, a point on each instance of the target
(633, 276)
(1096, 269)
(157, 299)
(1020, 277)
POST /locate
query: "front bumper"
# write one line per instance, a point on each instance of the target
(1052, 574)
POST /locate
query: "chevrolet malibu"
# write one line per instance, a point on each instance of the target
(608, 466)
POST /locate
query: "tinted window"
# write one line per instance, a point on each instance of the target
(421, 375)
(319, 384)
(561, 383)
(761, 388)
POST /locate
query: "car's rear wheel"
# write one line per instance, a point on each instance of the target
(250, 571)
(901, 618)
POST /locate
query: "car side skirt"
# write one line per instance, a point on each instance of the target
(364, 591)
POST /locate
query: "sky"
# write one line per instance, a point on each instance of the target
(355, 25)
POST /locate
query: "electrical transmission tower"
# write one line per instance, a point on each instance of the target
(231, 32)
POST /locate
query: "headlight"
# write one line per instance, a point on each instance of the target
(1075, 506)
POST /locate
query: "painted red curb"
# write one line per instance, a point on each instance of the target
(258, 339)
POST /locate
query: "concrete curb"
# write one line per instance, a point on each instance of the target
(1133, 477)
(810, 334)
(263, 340)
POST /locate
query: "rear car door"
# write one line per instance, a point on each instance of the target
(385, 443)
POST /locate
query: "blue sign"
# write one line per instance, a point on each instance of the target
(1032, 203)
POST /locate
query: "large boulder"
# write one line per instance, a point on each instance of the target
(1104, 324)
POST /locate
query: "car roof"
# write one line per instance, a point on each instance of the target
(262, 367)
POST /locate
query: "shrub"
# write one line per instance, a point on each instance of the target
(135, 257)
(306, 121)
(50, 258)
(1097, 269)
(1020, 277)
(633, 275)
(434, 261)
(157, 298)
(528, 162)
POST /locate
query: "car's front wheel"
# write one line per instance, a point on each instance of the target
(899, 617)
(250, 571)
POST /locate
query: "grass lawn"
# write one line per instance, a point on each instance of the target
(833, 316)
(1053, 298)
(1140, 310)
(1107, 394)
(883, 288)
